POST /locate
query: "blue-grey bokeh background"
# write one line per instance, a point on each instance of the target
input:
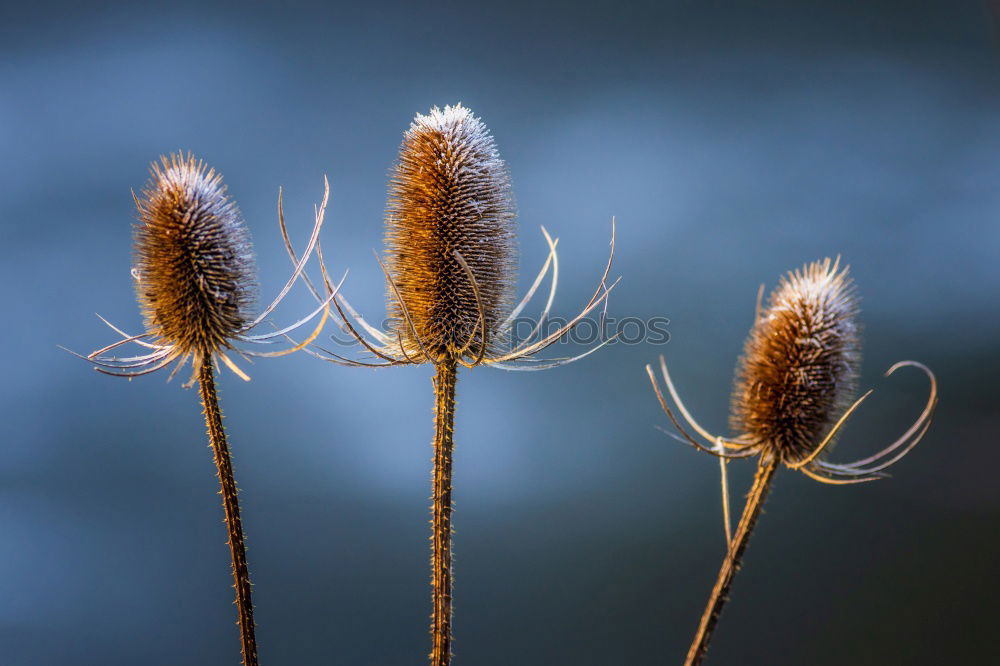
(733, 141)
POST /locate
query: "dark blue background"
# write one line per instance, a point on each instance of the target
(733, 141)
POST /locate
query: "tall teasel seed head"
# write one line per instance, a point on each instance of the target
(450, 200)
(451, 259)
(800, 364)
(194, 263)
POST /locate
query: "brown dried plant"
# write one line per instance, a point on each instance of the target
(450, 272)
(792, 395)
(195, 281)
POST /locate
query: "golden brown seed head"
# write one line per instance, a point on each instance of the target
(450, 191)
(800, 363)
(194, 261)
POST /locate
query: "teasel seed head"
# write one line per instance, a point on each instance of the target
(194, 263)
(450, 214)
(450, 261)
(194, 277)
(800, 364)
(795, 383)
(792, 395)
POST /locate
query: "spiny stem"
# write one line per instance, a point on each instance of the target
(755, 501)
(441, 575)
(223, 464)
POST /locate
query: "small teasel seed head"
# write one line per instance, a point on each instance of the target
(194, 263)
(450, 191)
(800, 364)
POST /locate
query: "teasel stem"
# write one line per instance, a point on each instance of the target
(441, 573)
(230, 502)
(766, 468)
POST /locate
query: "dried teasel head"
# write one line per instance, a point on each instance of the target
(795, 382)
(195, 277)
(793, 391)
(194, 263)
(450, 270)
(800, 364)
(451, 258)
(450, 235)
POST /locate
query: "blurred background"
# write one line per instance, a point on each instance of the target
(733, 141)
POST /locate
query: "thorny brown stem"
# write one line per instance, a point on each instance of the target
(223, 464)
(755, 501)
(441, 574)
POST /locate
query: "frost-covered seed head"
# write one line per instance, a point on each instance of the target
(800, 364)
(194, 262)
(449, 191)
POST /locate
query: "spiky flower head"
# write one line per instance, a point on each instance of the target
(194, 278)
(450, 236)
(795, 382)
(800, 364)
(194, 263)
